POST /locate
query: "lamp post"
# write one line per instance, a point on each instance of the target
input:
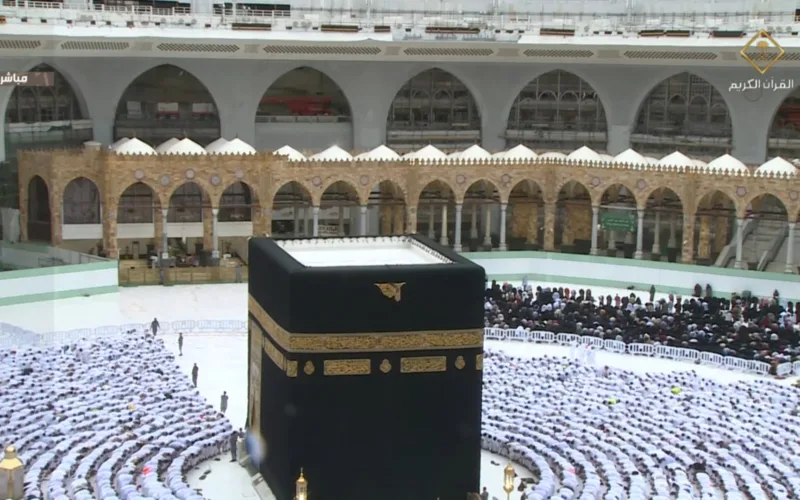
(12, 472)
(508, 480)
(301, 488)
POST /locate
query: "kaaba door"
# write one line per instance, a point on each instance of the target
(254, 397)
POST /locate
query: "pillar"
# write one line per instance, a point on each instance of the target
(164, 234)
(399, 216)
(473, 228)
(487, 227)
(595, 223)
(208, 228)
(639, 235)
(341, 220)
(549, 227)
(457, 243)
(673, 223)
(56, 219)
(704, 239)
(307, 224)
(431, 221)
(790, 250)
(296, 211)
(110, 232)
(411, 218)
(503, 212)
(720, 234)
(362, 220)
(687, 249)
(612, 240)
(315, 227)
(657, 234)
(214, 233)
(443, 238)
(262, 221)
(158, 229)
(739, 242)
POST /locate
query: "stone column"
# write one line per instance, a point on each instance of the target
(411, 218)
(790, 250)
(158, 229)
(739, 243)
(549, 227)
(262, 220)
(673, 228)
(164, 234)
(687, 249)
(612, 240)
(473, 228)
(208, 228)
(704, 239)
(443, 238)
(214, 233)
(431, 221)
(639, 235)
(307, 224)
(56, 219)
(110, 233)
(487, 227)
(657, 235)
(503, 210)
(595, 223)
(296, 210)
(398, 214)
(341, 220)
(362, 220)
(315, 228)
(457, 243)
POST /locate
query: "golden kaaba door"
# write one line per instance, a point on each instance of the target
(254, 396)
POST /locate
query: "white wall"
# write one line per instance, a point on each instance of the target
(555, 268)
(82, 231)
(58, 283)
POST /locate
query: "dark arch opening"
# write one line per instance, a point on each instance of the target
(236, 203)
(186, 204)
(784, 134)
(39, 224)
(433, 107)
(45, 117)
(557, 111)
(682, 106)
(166, 102)
(81, 202)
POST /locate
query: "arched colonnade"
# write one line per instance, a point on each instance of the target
(553, 205)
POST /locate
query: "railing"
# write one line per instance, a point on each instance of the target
(626, 20)
(729, 251)
(774, 247)
(12, 336)
(181, 275)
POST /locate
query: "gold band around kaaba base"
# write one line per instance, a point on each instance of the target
(364, 342)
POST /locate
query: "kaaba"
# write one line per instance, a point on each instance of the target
(366, 359)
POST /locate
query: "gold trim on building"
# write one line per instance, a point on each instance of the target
(308, 369)
(460, 363)
(291, 369)
(365, 342)
(423, 364)
(347, 367)
(479, 362)
(386, 366)
(277, 357)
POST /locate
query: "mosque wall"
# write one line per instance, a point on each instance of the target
(551, 268)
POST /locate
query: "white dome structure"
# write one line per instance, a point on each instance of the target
(778, 167)
(164, 146)
(519, 152)
(118, 143)
(429, 152)
(552, 155)
(455, 155)
(699, 163)
(727, 163)
(236, 147)
(677, 159)
(293, 154)
(631, 157)
(381, 153)
(333, 153)
(135, 147)
(584, 154)
(216, 145)
(606, 158)
(186, 147)
(651, 160)
(474, 152)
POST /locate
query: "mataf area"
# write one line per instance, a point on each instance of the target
(550, 201)
(374, 392)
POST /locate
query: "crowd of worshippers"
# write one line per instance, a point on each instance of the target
(748, 327)
(592, 433)
(113, 419)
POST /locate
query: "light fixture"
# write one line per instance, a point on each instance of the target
(508, 480)
(301, 488)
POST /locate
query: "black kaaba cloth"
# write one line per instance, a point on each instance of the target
(368, 377)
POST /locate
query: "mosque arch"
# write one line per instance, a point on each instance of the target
(304, 94)
(165, 102)
(557, 111)
(39, 214)
(784, 132)
(137, 204)
(433, 107)
(683, 112)
(291, 210)
(81, 202)
(573, 209)
(237, 202)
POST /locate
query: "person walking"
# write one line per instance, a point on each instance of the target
(223, 402)
(154, 326)
(180, 343)
(195, 371)
(233, 441)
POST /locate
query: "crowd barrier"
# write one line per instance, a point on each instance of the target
(12, 336)
(653, 350)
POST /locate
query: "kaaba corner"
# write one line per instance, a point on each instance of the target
(374, 348)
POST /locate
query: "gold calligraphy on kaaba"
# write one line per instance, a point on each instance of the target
(364, 342)
(347, 367)
(460, 363)
(386, 366)
(391, 290)
(254, 385)
(423, 364)
(308, 369)
(479, 362)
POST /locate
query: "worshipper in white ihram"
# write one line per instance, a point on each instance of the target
(154, 326)
(180, 343)
(223, 402)
(195, 371)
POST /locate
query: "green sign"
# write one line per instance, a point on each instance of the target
(623, 221)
